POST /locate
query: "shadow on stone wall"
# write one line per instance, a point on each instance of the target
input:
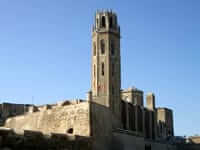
(188, 146)
(33, 140)
(11, 110)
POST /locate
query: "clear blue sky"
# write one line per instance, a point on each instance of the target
(45, 49)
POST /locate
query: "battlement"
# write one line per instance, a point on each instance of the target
(131, 89)
(106, 12)
(11, 109)
(70, 102)
(60, 104)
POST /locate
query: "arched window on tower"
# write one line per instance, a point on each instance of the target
(112, 48)
(102, 69)
(102, 46)
(94, 49)
(103, 21)
(110, 22)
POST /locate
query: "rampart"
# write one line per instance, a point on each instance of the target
(65, 117)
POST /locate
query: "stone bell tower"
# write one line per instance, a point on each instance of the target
(106, 74)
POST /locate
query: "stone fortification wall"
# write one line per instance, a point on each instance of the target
(125, 140)
(139, 120)
(102, 124)
(9, 110)
(72, 118)
(30, 140)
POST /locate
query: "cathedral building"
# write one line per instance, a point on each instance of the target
(112, 117)
(126, 104)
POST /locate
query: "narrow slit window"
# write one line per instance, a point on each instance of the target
(94, 71)
(112, 48)
(102, 69)
(102, 46)
(94, 49)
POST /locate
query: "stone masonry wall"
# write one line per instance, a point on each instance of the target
(10, 110)
(125, 140)
(102, 124)
(73, 119)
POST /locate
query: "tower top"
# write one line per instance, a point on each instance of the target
(106, 21)
(105, 12)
